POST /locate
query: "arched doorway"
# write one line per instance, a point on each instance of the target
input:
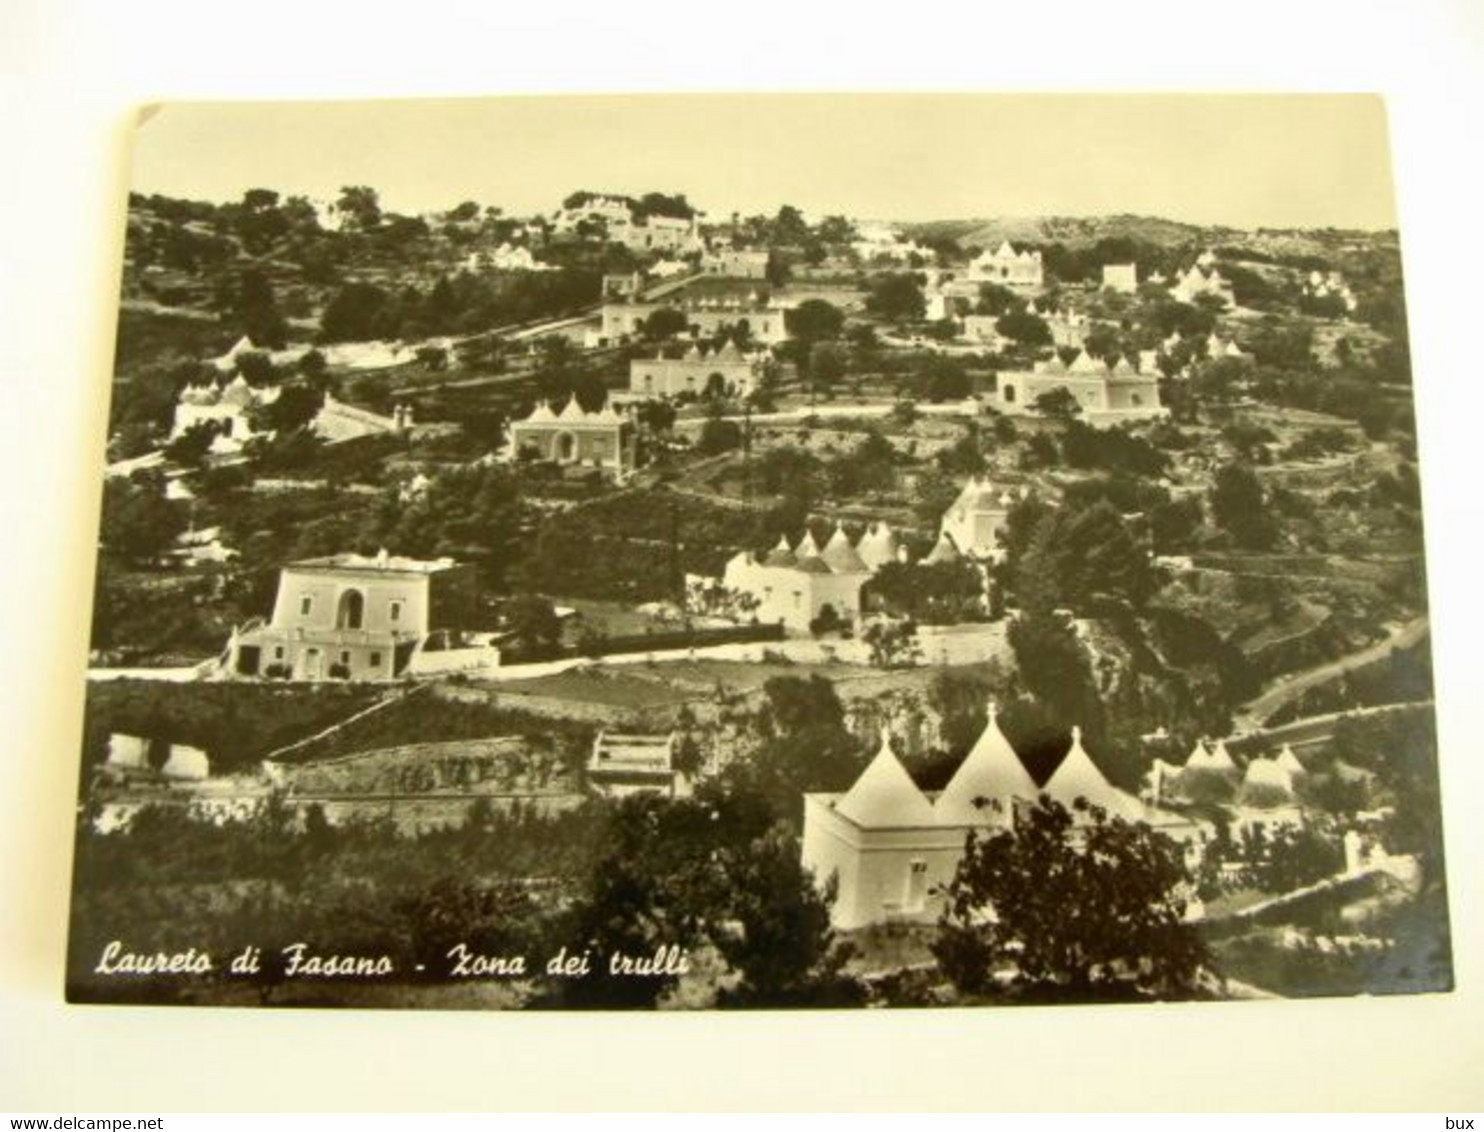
(566, 448)
(351, 611)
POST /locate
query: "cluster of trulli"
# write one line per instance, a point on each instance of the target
(1322, 285)
(891, 847)
(1215, 348)
(793, 584)
(753, 300)
(1008, 267)
(695, 371)
(1085, 363)
(971, 525)
(571, 413)
(1202, 278)
(1210, 773)
(227, 408)
(877, 546)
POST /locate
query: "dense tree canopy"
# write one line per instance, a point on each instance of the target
(897, 298)
(1084, 907)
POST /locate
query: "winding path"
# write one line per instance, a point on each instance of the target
(1255, 713)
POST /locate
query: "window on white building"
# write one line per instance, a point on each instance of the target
(916, 886)
(305, 605)
(395, 612)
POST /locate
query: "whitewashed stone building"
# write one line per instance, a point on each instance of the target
(352, 617)
(891, 848)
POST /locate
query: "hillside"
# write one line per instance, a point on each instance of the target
(1081, 232)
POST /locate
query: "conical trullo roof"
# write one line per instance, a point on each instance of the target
(1221, 758)
(840, 556)
(1269, 774)
(1289, 761)
(944, 550)
(1079, 777)
(1085, 363)
(878, 546)
(780, 555)
(992, 772)
(885, 795)
(1199, 758)
(808, 547)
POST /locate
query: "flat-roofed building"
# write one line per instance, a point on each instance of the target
(352, 617)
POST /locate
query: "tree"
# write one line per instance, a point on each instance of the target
(296, 405)
(358, 312)
(1059, 404)
(930, 593)
(896, 298)
(1240, 507)
(946, 380)
(313, 365)
(1054, 666)
(1070, 907)
(259, 221)
(805, 744)
(663, 323)
(138, 521)
(893, 644)
(781, 942)
(1040, 452)
(788, 227)
(189, 449)
(1078, 553)
(259, 200)
(814, 320)
(359, 205)
(1024, 327)
(441, 308)
(254, 310)
(533, 621)
(997, 300)
(826, 365)
(256, 368)
(719, 435)
(1173, 525)
(710, 870)
(656, 416)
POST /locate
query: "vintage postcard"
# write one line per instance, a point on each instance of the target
(700, 552)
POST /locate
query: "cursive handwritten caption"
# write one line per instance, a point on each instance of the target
(299, 961)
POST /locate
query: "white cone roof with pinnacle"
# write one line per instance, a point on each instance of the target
(992, 771)
(1221, 758)
(884, 796)
(1085, 363)
(1267, 772)
(808, 547)
(1200, 758)
(944, 550)
(1289, 761)
(840, 556)
(1079, 777)
(878, 546)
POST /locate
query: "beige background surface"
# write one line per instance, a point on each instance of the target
(72, 71)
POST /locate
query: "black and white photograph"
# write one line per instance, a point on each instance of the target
(726, 552)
